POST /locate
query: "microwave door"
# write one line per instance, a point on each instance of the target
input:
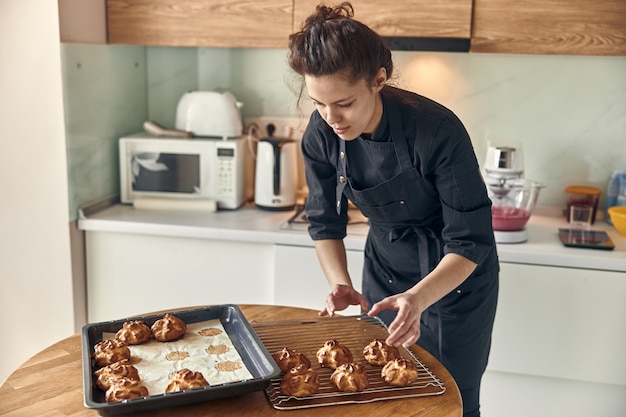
(168, 173)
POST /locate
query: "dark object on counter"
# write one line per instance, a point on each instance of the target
(299, 215)
(582, 194)
(587, 239)
(255, 356)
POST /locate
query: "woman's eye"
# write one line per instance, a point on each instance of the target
(342, 106)
(346, 104)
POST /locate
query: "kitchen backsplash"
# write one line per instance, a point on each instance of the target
(567, 112)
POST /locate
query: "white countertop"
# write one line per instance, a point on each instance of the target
(249, 224)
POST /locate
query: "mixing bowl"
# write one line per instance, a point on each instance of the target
(617, 214)
(513, 203)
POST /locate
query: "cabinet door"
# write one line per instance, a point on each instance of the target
(166, 272)
(208, 23)
(300, 282)
(408, 18)
(586, 27)
(561, 323)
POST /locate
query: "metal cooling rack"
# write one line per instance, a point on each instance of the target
(355, 332)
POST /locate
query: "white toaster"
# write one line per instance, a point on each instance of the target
(210, 113)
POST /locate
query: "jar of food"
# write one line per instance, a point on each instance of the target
(582, 195)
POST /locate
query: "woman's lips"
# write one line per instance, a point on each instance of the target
(340, 131)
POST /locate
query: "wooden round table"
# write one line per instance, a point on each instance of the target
(51, 383)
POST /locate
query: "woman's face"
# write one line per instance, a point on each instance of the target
(349, 108)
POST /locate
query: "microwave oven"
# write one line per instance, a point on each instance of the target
(183, 169)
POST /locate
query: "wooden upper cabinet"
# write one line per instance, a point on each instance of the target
(211, 23)
(564, 27)
(407, 18)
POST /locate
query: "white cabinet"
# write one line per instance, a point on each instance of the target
(131, 274)
(561, 323)
(558, 344)
(300, 282)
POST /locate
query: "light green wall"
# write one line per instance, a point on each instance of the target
(259, 78)
(170, 72)
(105, 97)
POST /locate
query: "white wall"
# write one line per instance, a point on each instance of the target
(36, 301)
(567, 112)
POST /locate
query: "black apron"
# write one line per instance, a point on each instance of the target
(403, 245)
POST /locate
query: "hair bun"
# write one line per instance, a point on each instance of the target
(345, 9)
(325, 13)
(332, 42)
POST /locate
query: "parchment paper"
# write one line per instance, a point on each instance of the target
(204, 348)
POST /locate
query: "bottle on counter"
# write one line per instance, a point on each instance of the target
(616, 191)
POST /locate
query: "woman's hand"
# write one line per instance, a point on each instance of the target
(341, 298)
(405, 328)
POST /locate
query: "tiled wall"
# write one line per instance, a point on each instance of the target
(567, 112)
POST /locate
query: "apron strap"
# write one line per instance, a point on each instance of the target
(424, 236)
(397, 136)
(400, 147)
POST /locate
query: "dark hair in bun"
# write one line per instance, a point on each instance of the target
(331, 41)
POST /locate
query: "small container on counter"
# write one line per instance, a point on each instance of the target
(582, 195)
(616, 191)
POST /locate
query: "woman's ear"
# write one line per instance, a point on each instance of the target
(380, 79)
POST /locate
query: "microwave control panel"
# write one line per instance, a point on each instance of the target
(226, 171)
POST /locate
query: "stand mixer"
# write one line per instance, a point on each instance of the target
(513, 197)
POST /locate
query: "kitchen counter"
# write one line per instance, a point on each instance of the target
(249, 224)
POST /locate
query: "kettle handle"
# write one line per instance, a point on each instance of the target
(276, 146)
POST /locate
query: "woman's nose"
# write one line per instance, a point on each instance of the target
(332, 116)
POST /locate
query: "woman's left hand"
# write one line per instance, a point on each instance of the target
(405, 328)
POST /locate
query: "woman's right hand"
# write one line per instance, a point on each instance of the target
(341, 297)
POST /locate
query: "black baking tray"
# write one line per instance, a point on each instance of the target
(252, 351)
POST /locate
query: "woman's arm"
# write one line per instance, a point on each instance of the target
(332, 257)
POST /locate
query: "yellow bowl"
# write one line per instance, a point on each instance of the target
(617, 214)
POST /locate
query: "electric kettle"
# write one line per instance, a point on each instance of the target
(276, 174)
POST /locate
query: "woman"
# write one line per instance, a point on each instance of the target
(431, 268)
